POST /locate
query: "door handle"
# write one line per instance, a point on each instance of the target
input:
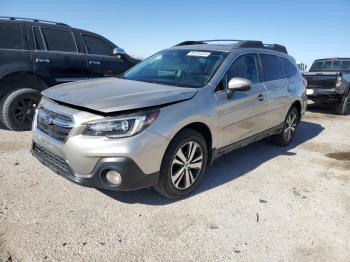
(261, 97)
(40, 60)
(94, 62)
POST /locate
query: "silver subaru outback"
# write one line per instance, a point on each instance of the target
(165, 120)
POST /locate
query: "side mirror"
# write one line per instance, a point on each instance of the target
(239, 84)
(119, 52)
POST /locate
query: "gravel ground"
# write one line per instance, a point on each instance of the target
(259, 203)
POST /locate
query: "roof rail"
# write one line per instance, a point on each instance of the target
(276, 47)
(32, 20)
(240, 44)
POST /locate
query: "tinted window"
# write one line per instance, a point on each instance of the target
(10, 36)
(318, 65)
(246, 67)
(97, 46)
(59, 40)
(330, 65)
(271, 67)
(345, 65)
(39, 43)
(289, 68)
(327, 65)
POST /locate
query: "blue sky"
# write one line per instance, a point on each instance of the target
(310, 29)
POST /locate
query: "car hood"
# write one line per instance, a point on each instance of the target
(110, 95)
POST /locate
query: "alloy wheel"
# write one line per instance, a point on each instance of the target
(187, 165)
(25, 109)
(290, 126)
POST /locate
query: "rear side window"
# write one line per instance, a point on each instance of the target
(39, 42)
(97, 46)
(10, 36)
(247, 67)
(345, 65)
(327, 65)
(271, 67)
(289, 68)
(59, 40)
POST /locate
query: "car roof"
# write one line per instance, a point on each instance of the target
(230, 48)
(211, 47)
(232, 45)
(332, 59)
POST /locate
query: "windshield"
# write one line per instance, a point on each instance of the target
(331, 65)
(186, 68)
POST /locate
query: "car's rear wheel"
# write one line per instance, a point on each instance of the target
(18, 108)
(342, 107)
(183, 164)
(290, 125)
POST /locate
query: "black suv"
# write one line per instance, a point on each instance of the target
(36, 54)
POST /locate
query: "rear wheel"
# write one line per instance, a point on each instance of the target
(183, 164)
(18, 108)
(289, 127)
(342, 108)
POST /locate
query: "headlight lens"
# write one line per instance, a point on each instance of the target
(121, 126)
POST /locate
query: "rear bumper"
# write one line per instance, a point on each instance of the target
(312, 92)
(132, 176)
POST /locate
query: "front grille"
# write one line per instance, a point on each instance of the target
(53, 124)
(51, 159)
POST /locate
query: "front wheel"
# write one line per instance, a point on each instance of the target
(342, 107)
(289, 127)
(183, 164)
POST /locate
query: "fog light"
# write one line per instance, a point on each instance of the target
(114, 177)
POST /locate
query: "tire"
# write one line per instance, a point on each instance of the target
(179, 176)
(342, 108)
(289, 128)
(17, 108)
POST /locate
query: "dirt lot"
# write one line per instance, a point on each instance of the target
(260, 203)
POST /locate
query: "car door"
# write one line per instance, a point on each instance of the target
(14, 55)
(277, 85)
(100, 59)
(241, 114)
(55, 56)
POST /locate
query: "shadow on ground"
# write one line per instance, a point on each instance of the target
(322, 109)
(226, 168)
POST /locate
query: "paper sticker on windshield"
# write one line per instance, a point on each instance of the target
(197, 53)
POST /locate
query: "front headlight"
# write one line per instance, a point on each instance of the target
(121, 126)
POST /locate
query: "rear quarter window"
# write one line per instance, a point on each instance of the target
(10, 36)
(272, 69)
(289, 68)
(346, 65)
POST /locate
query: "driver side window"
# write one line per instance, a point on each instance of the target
(247, 67)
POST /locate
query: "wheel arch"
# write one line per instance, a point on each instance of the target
(25, 79)
(205, 131)
(297, 104)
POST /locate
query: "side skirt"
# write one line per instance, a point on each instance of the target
(227, 149)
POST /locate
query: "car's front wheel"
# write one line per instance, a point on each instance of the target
(183, 164)
(342, 107)
(291, 122)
